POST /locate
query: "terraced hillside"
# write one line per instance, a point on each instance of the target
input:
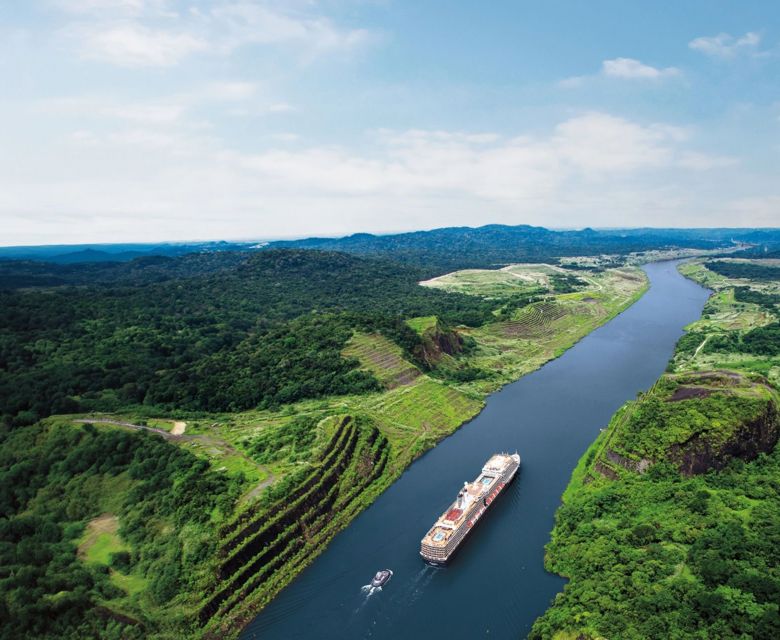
(534, 321)
(263, 547)
(383, 358)
(415, 417)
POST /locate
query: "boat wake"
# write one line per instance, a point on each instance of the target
(370, 589)
(419, 584)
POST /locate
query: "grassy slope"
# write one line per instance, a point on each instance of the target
(660, 554)
(535, 334)
(414, 413)
(723, 314)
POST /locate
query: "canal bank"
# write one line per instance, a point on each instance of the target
(497, 585)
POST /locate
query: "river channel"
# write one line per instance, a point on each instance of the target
(496, 585)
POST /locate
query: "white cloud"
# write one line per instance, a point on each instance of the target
(630, 68)
(725, 45)
(233, 91)
(593, 167)
(703, 162)
(168, 110)
(281, 107)
(155, 33)
(132, 7)
(624, 69)
(757, 211)
(243, 23)
(134, 45)
(286, 137)
(597, 143)
(574, 82)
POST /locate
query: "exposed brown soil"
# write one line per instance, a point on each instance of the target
(605, 471)
(685, 393)
(404, 377)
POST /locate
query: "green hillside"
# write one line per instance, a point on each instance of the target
(217, 426)
(669, 527)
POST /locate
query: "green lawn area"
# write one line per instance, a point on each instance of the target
(103, 546)
(421, 324)
(130, 583)
(101, 539)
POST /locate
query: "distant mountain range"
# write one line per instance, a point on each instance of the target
(436, 250)
(80, 253)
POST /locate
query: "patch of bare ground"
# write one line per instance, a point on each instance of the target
(684, 393)
(404, 377)
(178, 428)
(257, 490)
(105, 523)
(627, 275)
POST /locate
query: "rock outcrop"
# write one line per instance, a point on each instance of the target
(698, 455)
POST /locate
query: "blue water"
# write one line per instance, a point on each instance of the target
(496, 586)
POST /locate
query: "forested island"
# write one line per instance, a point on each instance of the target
(181, 435)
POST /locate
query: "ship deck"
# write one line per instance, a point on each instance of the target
(454, 517)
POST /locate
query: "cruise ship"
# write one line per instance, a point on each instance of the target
(451, 529)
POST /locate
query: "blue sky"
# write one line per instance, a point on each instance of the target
(133, 120)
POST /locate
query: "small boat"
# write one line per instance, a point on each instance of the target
(382, 577)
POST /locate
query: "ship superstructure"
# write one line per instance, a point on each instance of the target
(473, 500)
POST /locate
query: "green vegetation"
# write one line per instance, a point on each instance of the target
(167, 504)
(263, 546)
(682, 407)
(382, 358)
(669, 525)
(739, 327)
(420, 325)
(746, 270)
(266, 330)
(102, 544)
(664, 556)
(308, 381)
(491, 246)
(527, 335)
(762, 341)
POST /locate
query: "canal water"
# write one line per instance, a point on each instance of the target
(496, 585)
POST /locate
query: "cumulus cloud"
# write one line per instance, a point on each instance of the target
(624, 69)
(189, 183)
(725, 45)
(704, 161)
(630, 68)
